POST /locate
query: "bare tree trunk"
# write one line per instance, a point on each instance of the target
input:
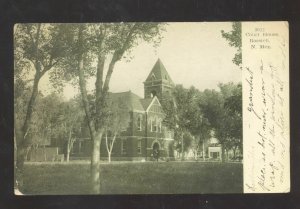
(234, 151)
(22, 140)
(96, 136)
(95, 128)
(27, 152)
(69, 145)
(68, 151)
(182, 151)
(109, 157)
(68, 155)
(203, 151)
(109, 146)
(95, 164)
(108, 149)
(99, 83)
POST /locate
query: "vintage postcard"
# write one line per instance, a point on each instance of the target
(151, 108)
(266, 131)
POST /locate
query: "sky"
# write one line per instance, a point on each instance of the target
(193, 54)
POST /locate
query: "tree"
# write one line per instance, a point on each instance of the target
(234, 39)
(38, 48)
(44, 115)
(103, 43)
(54, 118)
(201, 130)
(68, 123)
(211, 103)
(187, 140)
(181, 114)
(118, 120)
(21, 97)
(223, 111)
(39, 130)
(233, 109)
(195, 147)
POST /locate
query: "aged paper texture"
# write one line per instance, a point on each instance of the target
(181, 108)
(265, 55)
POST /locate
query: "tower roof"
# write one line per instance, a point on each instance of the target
(159, 72)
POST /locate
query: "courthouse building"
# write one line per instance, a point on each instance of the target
(145, 134)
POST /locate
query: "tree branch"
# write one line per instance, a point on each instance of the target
(82, 84)
(113, 141)
(98, 85)
(116, 57)
(30, 108)
(31, 37)
(106, 142)
(37, 65)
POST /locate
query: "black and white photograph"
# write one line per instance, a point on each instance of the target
(128, 108)
(149, 104)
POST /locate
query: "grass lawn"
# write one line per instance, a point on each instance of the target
(136, 178)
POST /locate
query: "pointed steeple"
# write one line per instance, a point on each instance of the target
(159, 72)
(158, 81)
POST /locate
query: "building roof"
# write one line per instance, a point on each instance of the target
(131, 100)
(159, 72)
(146, 102)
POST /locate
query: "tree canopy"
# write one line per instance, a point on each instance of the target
(94, 51)
(198, 113)
(234, 38)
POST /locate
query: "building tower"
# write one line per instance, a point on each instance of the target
(158, 82)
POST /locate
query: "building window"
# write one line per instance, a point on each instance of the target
(139, 146)
(159, 127)
(123, 146)
(155, 126)
(139, 123)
